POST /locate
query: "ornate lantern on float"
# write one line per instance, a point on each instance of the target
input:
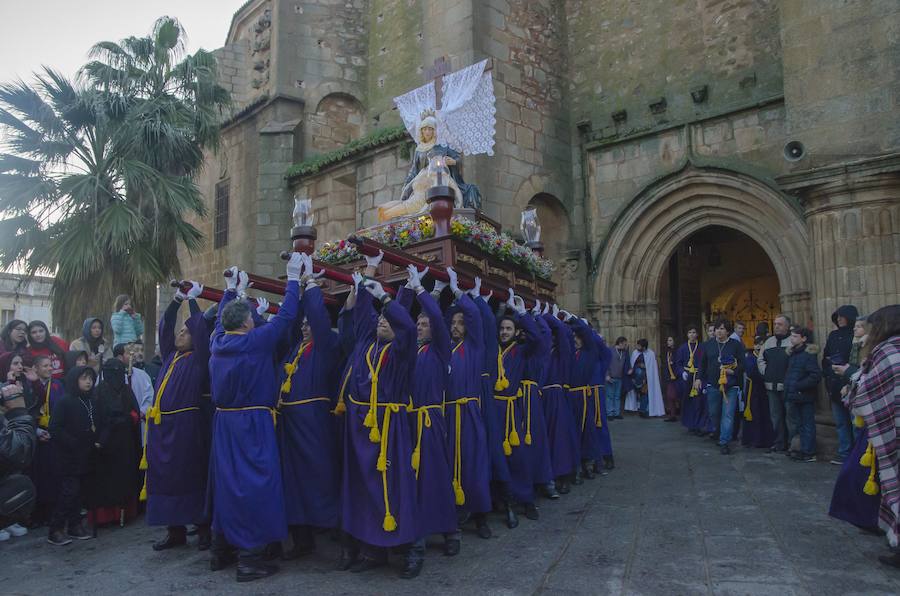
(303, 234)
(440, 197)
(531, 230)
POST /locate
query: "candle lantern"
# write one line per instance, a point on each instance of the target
(440, 197)
(303, 234)
(531, 230)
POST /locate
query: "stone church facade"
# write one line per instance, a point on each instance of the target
(635, 126)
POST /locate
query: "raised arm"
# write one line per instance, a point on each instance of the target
(440, 337)
(268, 335)
(313, 307)
(474, 327)
(404, 327)
(405, 297)
(167, 328)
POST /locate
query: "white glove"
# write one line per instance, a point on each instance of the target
(454, 282)
(195, 291)
(519, 305)
(536, 310)
(262, 305)
(243, 283)
(231, 280)
(476, 291)
(684, 375)
(415, 278)
(438, 287)
(294, 266)
(546, 308)
(554, 310)
(357, 279)
(511, 301)
(179, 295)
(376, 260)
(375, 289)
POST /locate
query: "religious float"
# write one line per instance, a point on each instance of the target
(437, 221)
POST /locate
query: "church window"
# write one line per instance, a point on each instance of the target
(220, 221)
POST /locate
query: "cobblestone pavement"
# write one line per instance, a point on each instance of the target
(674, 517)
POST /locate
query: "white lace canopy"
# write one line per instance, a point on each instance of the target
(466, 120)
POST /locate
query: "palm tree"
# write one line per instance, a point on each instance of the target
(74, 198)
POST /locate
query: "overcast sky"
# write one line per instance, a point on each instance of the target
(59, 33)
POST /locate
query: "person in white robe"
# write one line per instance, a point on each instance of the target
(655, 406)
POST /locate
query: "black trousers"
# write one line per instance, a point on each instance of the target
(221, 548)
(67, 513)
(17, 498)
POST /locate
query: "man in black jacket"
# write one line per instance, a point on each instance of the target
(837, 353)
(18, 439)
(721, 368)
(772, 365)
(800, 383)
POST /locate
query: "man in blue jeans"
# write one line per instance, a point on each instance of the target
(619, 369)
(837, 353)
(721, 371)
(800, 382)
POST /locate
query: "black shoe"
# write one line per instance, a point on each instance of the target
(564, 487)
(348, 558)
(58, 538)
(204, 539)
(619, 417)
(451, 547)
(644, 415)
(366, 564)
(78, 533)
(550, 491)
(608, 462)
(248, 572)
(273, 551)
(297, 551)
(806, 458)
(725, 450)
(171, 540)
(577, 481)
(587, 470)
(222, 561)
(531, 511)
(411, 570)
(484, 530)
(671, 419)
(512, 520)
(892, 560)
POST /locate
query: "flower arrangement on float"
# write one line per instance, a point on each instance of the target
(402, 233)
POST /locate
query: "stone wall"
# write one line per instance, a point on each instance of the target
(338, 119)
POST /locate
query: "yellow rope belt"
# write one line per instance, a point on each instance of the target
(693, 370)
(423, 420)
(584, 389)
(723, 378)
(154, 414)
(527, 386)
(748, 415)
(340, 408)
(389, 524)
(291, 367)
(868, 460)
(44, 420)
(598, 422)
(553, 386)
(301, 402)
(271, 411)
(457, 459)
(511, 435)
(371, 421)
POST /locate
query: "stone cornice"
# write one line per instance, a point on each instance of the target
(845, 174)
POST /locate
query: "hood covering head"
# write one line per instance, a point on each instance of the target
(71, 380)
(113, 373)
(847, 311)
(89, 340)
(70, 358)
(199, 327)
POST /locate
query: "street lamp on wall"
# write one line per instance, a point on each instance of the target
(303, 234)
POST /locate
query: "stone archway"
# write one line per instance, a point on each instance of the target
(641, 240)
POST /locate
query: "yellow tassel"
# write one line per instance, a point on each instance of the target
(514, 438)
(290, 368)
(143, 464)
(871, 487)
(868, 457)
(859, 422)
(44, 421)
(415, 459)
(694, 392)
(528, 438)
(286, 386)
(157, 416)
(143, 495)
(381, 465)
(519, 392)
(507, 448)
(340, 408)
(460, 495)
(369, 422)
(748, 415)
(375, 435)
(390, 524)
(498, 385)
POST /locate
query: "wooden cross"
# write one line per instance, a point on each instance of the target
(436, 73)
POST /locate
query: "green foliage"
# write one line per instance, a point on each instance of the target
(377, 138)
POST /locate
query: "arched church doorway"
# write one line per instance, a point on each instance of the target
(715, 272)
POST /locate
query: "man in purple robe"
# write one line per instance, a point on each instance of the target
(598, 382)
(562, 433)
(177, 437)
(582, 398)
(247, 492)
(378, 501)
(431, 457)
(540, 446)
(307, 430)
(514, 402)
(693, 403)
(467, 432)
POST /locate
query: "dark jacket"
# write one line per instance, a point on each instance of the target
(70, 426)
(837, 350)
(17, 441)
(709, 363)
(772, 363)
(855, 360)
(803, 374)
